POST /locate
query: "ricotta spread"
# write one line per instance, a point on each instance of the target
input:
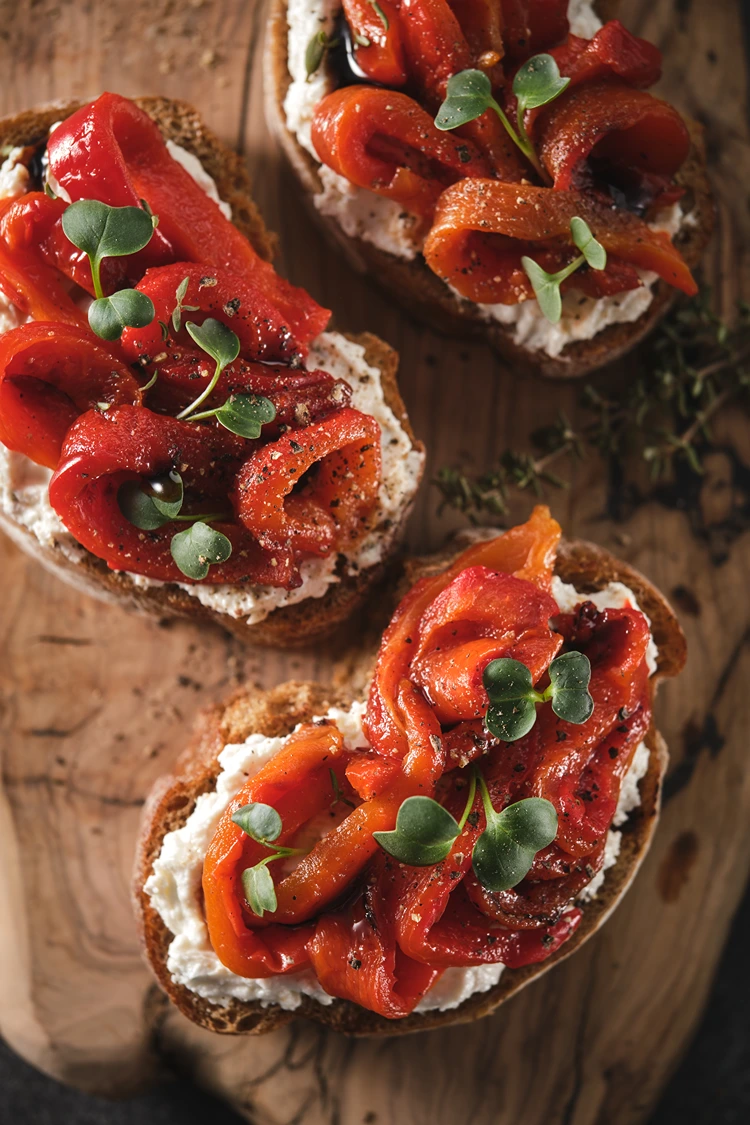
(174, 885)
(14, 175)
(23, 486)
(383, 223)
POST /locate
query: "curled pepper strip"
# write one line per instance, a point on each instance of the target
(610, 122)
(103, 450)
(116, 146)
(296, 782)
(346, 447)
(531, 26)
(526, 551)
(482, 227)
(225, 296)
(384, 141)
(49, 375)
(355, 955)
(28, 280)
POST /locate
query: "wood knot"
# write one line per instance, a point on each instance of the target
(677, 865)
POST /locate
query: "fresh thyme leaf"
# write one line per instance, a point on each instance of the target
(316, 50)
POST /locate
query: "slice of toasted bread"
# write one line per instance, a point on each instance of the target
(289, 626)
(276, 712)
(415, 287)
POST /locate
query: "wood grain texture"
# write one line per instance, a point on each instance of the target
(94, 703)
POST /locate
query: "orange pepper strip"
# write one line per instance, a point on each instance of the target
(527, 551)
(386, 142)
(470, 244)
(610, 120)
(347, 445)
(296, 782)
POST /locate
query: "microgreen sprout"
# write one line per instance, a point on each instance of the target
(505, 851)
(221, 344)
(469, 94)
(546, 286)
(513, 698)
(151, 504)
(425, 833)
(103, 232)
(180, 294)
(263, 824)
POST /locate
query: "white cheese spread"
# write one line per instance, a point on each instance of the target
(174, 885)
(14, 175)
(383, 223)
(23, 487)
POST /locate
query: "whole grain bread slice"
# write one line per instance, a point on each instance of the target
(285, 627)
(416, 288)
(278, 711)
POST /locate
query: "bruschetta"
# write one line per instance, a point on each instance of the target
(179, 431)
(414, 858)
(466, 155)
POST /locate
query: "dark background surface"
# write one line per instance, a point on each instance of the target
(711, 1087)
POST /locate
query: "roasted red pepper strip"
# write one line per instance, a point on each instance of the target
(386, 142)
(528, 551)
(481, 616)
(531, 26)
(347, 447)
(381, 58)
(613, 52)
(355, 955)
(610, 122)
(49, 374)
(481, 22)
(436, 49)
(464, 249)
(102, 450)
(114, 145)
(228, 297)
(297, 783)
(27, 279)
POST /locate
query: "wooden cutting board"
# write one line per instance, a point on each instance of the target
(95, 704)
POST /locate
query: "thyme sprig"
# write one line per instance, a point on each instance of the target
(693, 367)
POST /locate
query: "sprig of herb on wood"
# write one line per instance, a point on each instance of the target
(469, 94)
(103, 232)
(691, 369)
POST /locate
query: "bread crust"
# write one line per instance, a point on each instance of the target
(421, 292)
(287, 626)
(276, 712)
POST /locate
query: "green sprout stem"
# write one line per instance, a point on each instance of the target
(96, 267)
(489, 810)
(470, 798)
(522, 140)
(202, 397)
